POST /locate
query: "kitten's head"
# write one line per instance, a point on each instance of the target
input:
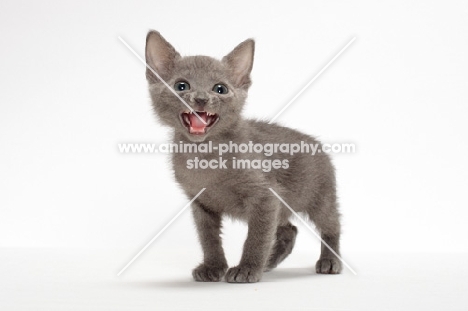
(215, 90)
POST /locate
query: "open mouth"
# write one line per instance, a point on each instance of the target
(193, 123)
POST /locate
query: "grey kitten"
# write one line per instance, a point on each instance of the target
(217, 91)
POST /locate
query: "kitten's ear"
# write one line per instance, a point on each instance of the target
(240, 62)
(160, 56)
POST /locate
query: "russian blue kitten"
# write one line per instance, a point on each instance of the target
(217, 91)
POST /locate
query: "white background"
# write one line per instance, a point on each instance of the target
(71, 91)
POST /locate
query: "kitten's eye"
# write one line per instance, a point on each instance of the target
(220, 89)
(182, 86)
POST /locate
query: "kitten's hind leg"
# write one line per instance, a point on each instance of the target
(323, 211)
(328, 262)
(284, 244)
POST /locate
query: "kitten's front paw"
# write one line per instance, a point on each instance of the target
(204, 273)
(242, 274)
(328, 266)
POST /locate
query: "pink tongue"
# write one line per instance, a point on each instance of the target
(196, 125)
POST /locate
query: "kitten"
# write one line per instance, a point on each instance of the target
(217, 91)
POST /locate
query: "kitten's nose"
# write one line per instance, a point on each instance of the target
(201, 102)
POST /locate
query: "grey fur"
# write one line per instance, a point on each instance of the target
(308, 185)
